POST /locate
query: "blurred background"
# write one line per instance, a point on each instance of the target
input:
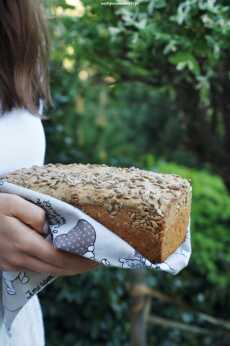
(145, 84)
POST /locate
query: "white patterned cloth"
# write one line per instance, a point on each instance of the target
(23, 139)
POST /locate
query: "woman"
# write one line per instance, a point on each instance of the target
(24, 51)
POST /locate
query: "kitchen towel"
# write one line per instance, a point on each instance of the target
(72, 230)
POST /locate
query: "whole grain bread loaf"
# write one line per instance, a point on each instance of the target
(149, 210)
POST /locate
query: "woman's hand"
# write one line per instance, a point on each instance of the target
(22, 246)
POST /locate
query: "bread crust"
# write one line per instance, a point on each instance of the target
(147, 209)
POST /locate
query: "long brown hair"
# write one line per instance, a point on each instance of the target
(24, 54)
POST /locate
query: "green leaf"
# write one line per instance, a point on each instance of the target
(185, 60)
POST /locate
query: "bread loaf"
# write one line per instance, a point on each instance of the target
(149, 210)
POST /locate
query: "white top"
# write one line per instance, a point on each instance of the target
(22, 144)
(22, 140)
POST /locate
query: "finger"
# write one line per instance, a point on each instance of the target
(35, 265)
(27, 212)
(36, 246)
(39, 266)
(69, 263)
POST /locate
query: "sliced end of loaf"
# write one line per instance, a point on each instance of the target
(176, 223)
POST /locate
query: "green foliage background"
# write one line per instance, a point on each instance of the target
(124, 80)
